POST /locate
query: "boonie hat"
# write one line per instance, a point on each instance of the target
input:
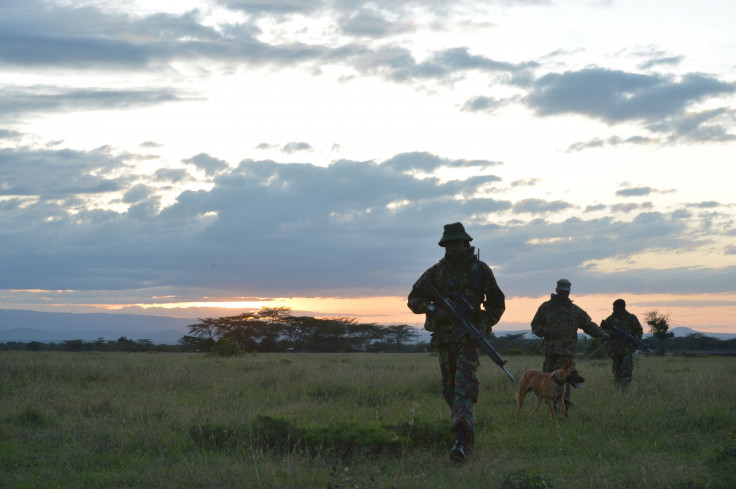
(454, 231)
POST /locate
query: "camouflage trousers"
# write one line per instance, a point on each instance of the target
(460, 387)
(554, 362)
(623, 369)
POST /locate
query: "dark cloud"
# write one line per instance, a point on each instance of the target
(539, 206)
(615, 96)
(665, 60)
(351, 228)
(398, 64)
(707, 204)
(258, 223)
(611, 141)
(81, 38)
(634, 192)
(58, 174)
(137, 193)
(706, 126)
(624, 208)
(172, 174)
(296, 146)
(15, 102)
(279, 7)
(85, 36)
(483, 104)
(205, 162)
(367, 23)
(525, 182)
(9, 134)
(427, 162)
(595, 207)
(150, 144)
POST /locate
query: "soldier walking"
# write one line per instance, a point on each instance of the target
(557, 321)
(618, 347)
(470, 284)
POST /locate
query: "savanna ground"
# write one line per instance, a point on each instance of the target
(174, 420)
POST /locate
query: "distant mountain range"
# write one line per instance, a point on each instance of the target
(55, 327)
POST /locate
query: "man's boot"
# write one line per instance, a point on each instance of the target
(457, 454)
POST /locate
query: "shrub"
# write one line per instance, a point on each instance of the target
(225, 347)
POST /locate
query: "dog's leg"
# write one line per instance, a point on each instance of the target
(539, 401)
(551, 406)
(521, 395)
(563, 407)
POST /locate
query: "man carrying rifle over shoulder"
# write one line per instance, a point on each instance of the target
(469, 283)
(620, 348)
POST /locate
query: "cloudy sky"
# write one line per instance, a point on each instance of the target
(197, 158)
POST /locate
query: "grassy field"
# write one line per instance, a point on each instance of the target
(117, 420)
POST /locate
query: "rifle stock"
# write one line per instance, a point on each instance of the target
(464, 326)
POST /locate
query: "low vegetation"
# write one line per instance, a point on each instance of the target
(357, 420)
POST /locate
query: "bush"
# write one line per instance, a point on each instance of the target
(225, 347)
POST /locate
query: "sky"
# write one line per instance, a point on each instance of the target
(198, 158)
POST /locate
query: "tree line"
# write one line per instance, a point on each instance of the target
(122, 344)
(276, 330)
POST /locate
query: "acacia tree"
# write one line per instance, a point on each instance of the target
(365, 335)
(244, 329)
(274, 326)
(298, 330)
(659, 328)
(206, 328)
(401, 334)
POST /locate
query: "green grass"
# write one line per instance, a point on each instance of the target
(117, 420)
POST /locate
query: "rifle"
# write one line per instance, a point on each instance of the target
(595, 351)
(626, 335)
(464, 326)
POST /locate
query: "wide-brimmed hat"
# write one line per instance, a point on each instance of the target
(454, 231)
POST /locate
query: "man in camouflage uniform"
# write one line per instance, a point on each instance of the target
(558, 321)
(619, 348)
(459, 275)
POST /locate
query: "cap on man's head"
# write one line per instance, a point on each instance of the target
(454, 231)
(619, 303)
(563, 284)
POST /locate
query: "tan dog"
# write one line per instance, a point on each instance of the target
(549, 386)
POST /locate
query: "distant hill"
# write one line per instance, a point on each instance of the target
(682, 331)
(54, 327)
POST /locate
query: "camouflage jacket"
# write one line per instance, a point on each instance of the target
(558, 321)
(467, 278)
(626, 322)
